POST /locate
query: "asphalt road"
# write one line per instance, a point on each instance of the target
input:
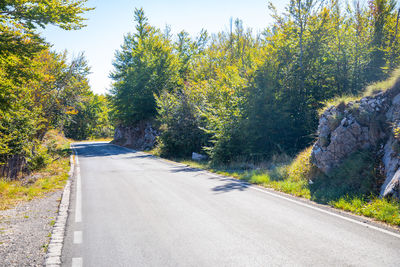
(131, 209)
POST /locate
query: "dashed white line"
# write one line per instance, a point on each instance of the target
(78, 204)
(77, 237)
(77, 262)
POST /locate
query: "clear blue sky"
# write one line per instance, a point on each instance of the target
(107, 24)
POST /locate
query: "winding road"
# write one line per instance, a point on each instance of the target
(132, 209)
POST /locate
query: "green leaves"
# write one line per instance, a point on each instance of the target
(37, 87)
(65, 14)
(240, 95)
(145, 65)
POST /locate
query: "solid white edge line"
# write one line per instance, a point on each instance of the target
(277, 195)
(53, 254)
(265, 191)
(78, 237)
(78, 203)
(327, 212)
(77, 262)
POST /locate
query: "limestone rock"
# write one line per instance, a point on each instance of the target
(363, 124)
(141, 136)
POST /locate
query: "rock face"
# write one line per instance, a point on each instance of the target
(142, 136)
(365, 124)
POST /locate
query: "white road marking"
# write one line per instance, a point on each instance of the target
(77, 237)
(276, 195)
(316, 208)
(77, 262)
(78, 203)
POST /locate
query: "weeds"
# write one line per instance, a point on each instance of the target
(50, 175)
(370, 90)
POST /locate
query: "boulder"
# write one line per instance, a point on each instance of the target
(141, 136)
(198, 157)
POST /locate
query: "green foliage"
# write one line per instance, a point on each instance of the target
(181, 132)
(354, 177)
(253, 95)
(44, 179)
(90, 120)
(144, 67)
(381, 209)
(38, 88)
(39, 159)
(33, 13)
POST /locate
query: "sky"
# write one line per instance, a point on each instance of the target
(112, 19)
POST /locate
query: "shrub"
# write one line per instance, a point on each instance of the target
(301, 167)
(39, 159)
(181, 132)
(354, 177)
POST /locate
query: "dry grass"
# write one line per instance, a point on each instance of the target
(338, 100)
(382, 85)
(370, 90)
(50, 178)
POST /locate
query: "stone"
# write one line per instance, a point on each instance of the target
(393, 187)
(363, 124)
(141, 136)
(198, 157)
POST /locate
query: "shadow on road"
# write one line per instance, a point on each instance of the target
(102, 149)
(231, 186)
(99, 149)
(185, 169)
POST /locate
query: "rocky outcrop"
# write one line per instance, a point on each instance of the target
(141, 136)
(368, 123)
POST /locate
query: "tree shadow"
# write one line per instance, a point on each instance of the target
(88, 150)
(230, 186)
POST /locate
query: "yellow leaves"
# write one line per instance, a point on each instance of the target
(301, 168)
(71, 111)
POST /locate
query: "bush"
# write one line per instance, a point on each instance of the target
(354, 177)
(181, 132)
(301, 167)
(39, 159)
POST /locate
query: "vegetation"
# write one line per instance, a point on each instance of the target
(351, 187)
(40, 89)
(239, 95)
(91, 119)
(243, 98)
(50, 173)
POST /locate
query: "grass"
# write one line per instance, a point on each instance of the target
(102, 139)
(50, 178)
(351, 188)
(381, 209)
(370, 90)
(344, 99)
(382, 85)
(53, 177)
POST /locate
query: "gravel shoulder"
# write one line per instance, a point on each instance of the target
(25, 231)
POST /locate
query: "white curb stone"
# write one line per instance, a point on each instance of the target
(53, 255)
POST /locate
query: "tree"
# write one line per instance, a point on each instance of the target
(36, 86)
(381, 11)
(91, 119)
(145, 66)
(65, 14)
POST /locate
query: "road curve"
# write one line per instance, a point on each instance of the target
(131, 209)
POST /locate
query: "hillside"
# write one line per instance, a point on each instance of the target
(370, 123)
